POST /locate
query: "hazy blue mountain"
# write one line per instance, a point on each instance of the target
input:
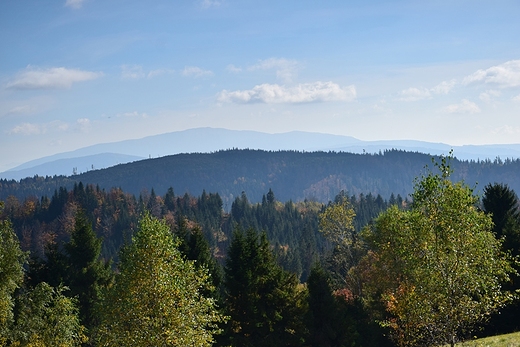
(69, 166)
(207, 140)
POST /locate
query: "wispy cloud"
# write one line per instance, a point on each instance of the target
(195, 71)
(302, 93)
(83, 125)
(507, 130)
(132, 72)
(210, 3)
(444, 87)
(24, 109)
(285, 69)
(233, 68)
(36, 129)
(134, 114)
(504, 75)
(516, 98)
(52, 78)
(159, 72)
(489, 95)
(75, 4)
(26, 129)
(414, 94)
(465, 106)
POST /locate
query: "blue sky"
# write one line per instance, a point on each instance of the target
(79, 72)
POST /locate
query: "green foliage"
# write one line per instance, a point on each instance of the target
(336, 223)
(86, 274)
(291, 228)
(47, 318)
(438, 267)
(11, 275)
(328, 319)
(295, 176)
(156, 299)
(501, 203)
(194, 247)
(42, 316)
(262, 300)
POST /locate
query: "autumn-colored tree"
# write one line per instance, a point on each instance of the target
(40, 316)
(437, 267)
(157, 297)
(336, 223)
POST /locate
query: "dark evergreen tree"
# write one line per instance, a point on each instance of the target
(261, 299)
(502, 203)
(322, 317)
(169, 200)
(87, 274)
(194, 246)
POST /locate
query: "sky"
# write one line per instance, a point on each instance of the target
(74, 73)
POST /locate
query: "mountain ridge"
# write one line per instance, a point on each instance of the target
(196, 141)
(292, 175)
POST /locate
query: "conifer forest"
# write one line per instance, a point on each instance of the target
(433, 263)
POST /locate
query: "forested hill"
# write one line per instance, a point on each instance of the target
(292, 175)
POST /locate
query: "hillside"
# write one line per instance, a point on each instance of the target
(104, 155)
(292, 175)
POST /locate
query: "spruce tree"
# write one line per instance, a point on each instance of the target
(87, 274)
(261, 298)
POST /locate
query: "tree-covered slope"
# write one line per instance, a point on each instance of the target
(292, 175)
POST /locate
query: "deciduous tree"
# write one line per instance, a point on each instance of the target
(156, 299)
(438, 267)
(46, 317)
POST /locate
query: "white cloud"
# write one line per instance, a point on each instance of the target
(444, 87)
(25, 109)
(132, 72)
(465, 106)
(36, 129)
(516, 98)
(233, 68)
(196, 71)
(489, 95)
(285, 69)
(302, 93)
(75, 4)
(132, 114)
(507, 130)
(26, 129)
(83, 124)
(210, 3)
(414, 94)
(159, 72)
(52, 78)
(503, 75)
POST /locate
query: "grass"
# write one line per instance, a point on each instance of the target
(508, 340)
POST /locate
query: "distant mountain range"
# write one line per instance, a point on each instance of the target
(196, 141)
